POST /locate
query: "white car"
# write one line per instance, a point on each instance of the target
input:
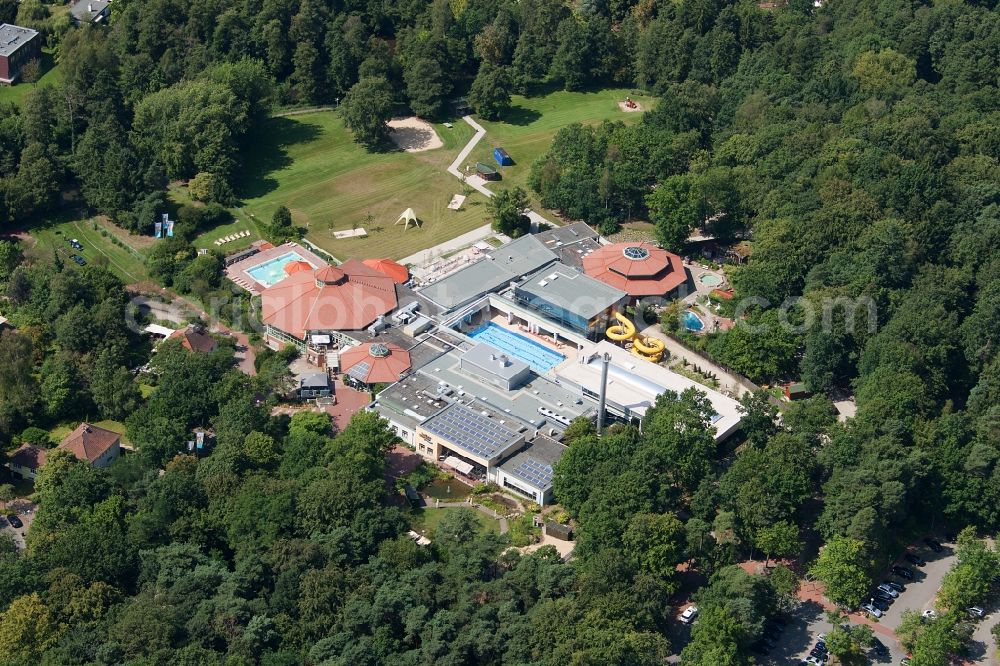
(888, 590)
(976, 612)
(929, 614)
(687, 617)
(871, 610)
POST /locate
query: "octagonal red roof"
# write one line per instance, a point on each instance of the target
(375, 362)
(638, 269)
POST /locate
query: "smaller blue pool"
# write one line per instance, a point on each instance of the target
(693, 322)
(538, 356)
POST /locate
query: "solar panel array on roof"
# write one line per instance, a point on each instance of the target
(537, 474)
(359, 371)
(471, 431)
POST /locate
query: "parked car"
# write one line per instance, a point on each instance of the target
(899, 587)
(812, 661)
(934, 545)
(889, 589)
(929, 614)
(871, 610)
(879, 595)
(903, 572)
(821, 646)
(687, 617)
(818, 654)
(915, 560)
(14, 521)
(976, 612)
(75, 243)
(77, 259)
(880, 604)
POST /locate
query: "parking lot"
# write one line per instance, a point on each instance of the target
(809, 620)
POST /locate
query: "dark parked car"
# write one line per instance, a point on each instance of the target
(899, 587)
(934, 545)
(75, 243)
(77, 259)
(915, 560)
(883, 596)
(880, 604)
(903, 572)
(14, 521)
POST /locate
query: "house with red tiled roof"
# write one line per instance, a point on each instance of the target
(195, 339)
(26, 461)
(309, 308)
(89, 443)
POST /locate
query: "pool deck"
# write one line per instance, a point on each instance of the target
(239, 272)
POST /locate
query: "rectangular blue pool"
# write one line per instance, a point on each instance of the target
(272, 271)
(538, 356)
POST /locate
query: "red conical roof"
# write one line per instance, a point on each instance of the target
(390, 268)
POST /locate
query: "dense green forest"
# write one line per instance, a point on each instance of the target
(855, 145)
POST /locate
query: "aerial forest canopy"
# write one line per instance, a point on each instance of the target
(855, 145)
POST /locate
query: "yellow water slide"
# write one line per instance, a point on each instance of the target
(645, 347)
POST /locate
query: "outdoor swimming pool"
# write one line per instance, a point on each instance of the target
(272, 272)
(693, 322)
(539, 357)
(710, 279)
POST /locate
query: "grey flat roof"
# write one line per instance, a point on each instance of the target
(567, 234)
(572, 291)
(81, 12)
(431, 386)
(13, 37)
(490, 358)
(315, 380)
(572, 243)
(471, 431)
(505, 264)
(533, 464)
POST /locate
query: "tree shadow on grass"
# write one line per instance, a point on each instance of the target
(267, 152)
(519, 115)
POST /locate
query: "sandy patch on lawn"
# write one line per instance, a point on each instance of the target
(414, 135)
(624, 107)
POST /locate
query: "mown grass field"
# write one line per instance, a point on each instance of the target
(526, 132)
(126, 259)
(311, 164)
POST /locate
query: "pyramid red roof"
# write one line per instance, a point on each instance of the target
(348, 297)
(638, 269)
(375, 362)
(398, 272)
(89, 442)
(296, 266)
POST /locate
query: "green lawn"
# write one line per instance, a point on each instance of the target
(50, 76)
(526, 131)
(425, 521)
(311, 164)
(126, 260)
